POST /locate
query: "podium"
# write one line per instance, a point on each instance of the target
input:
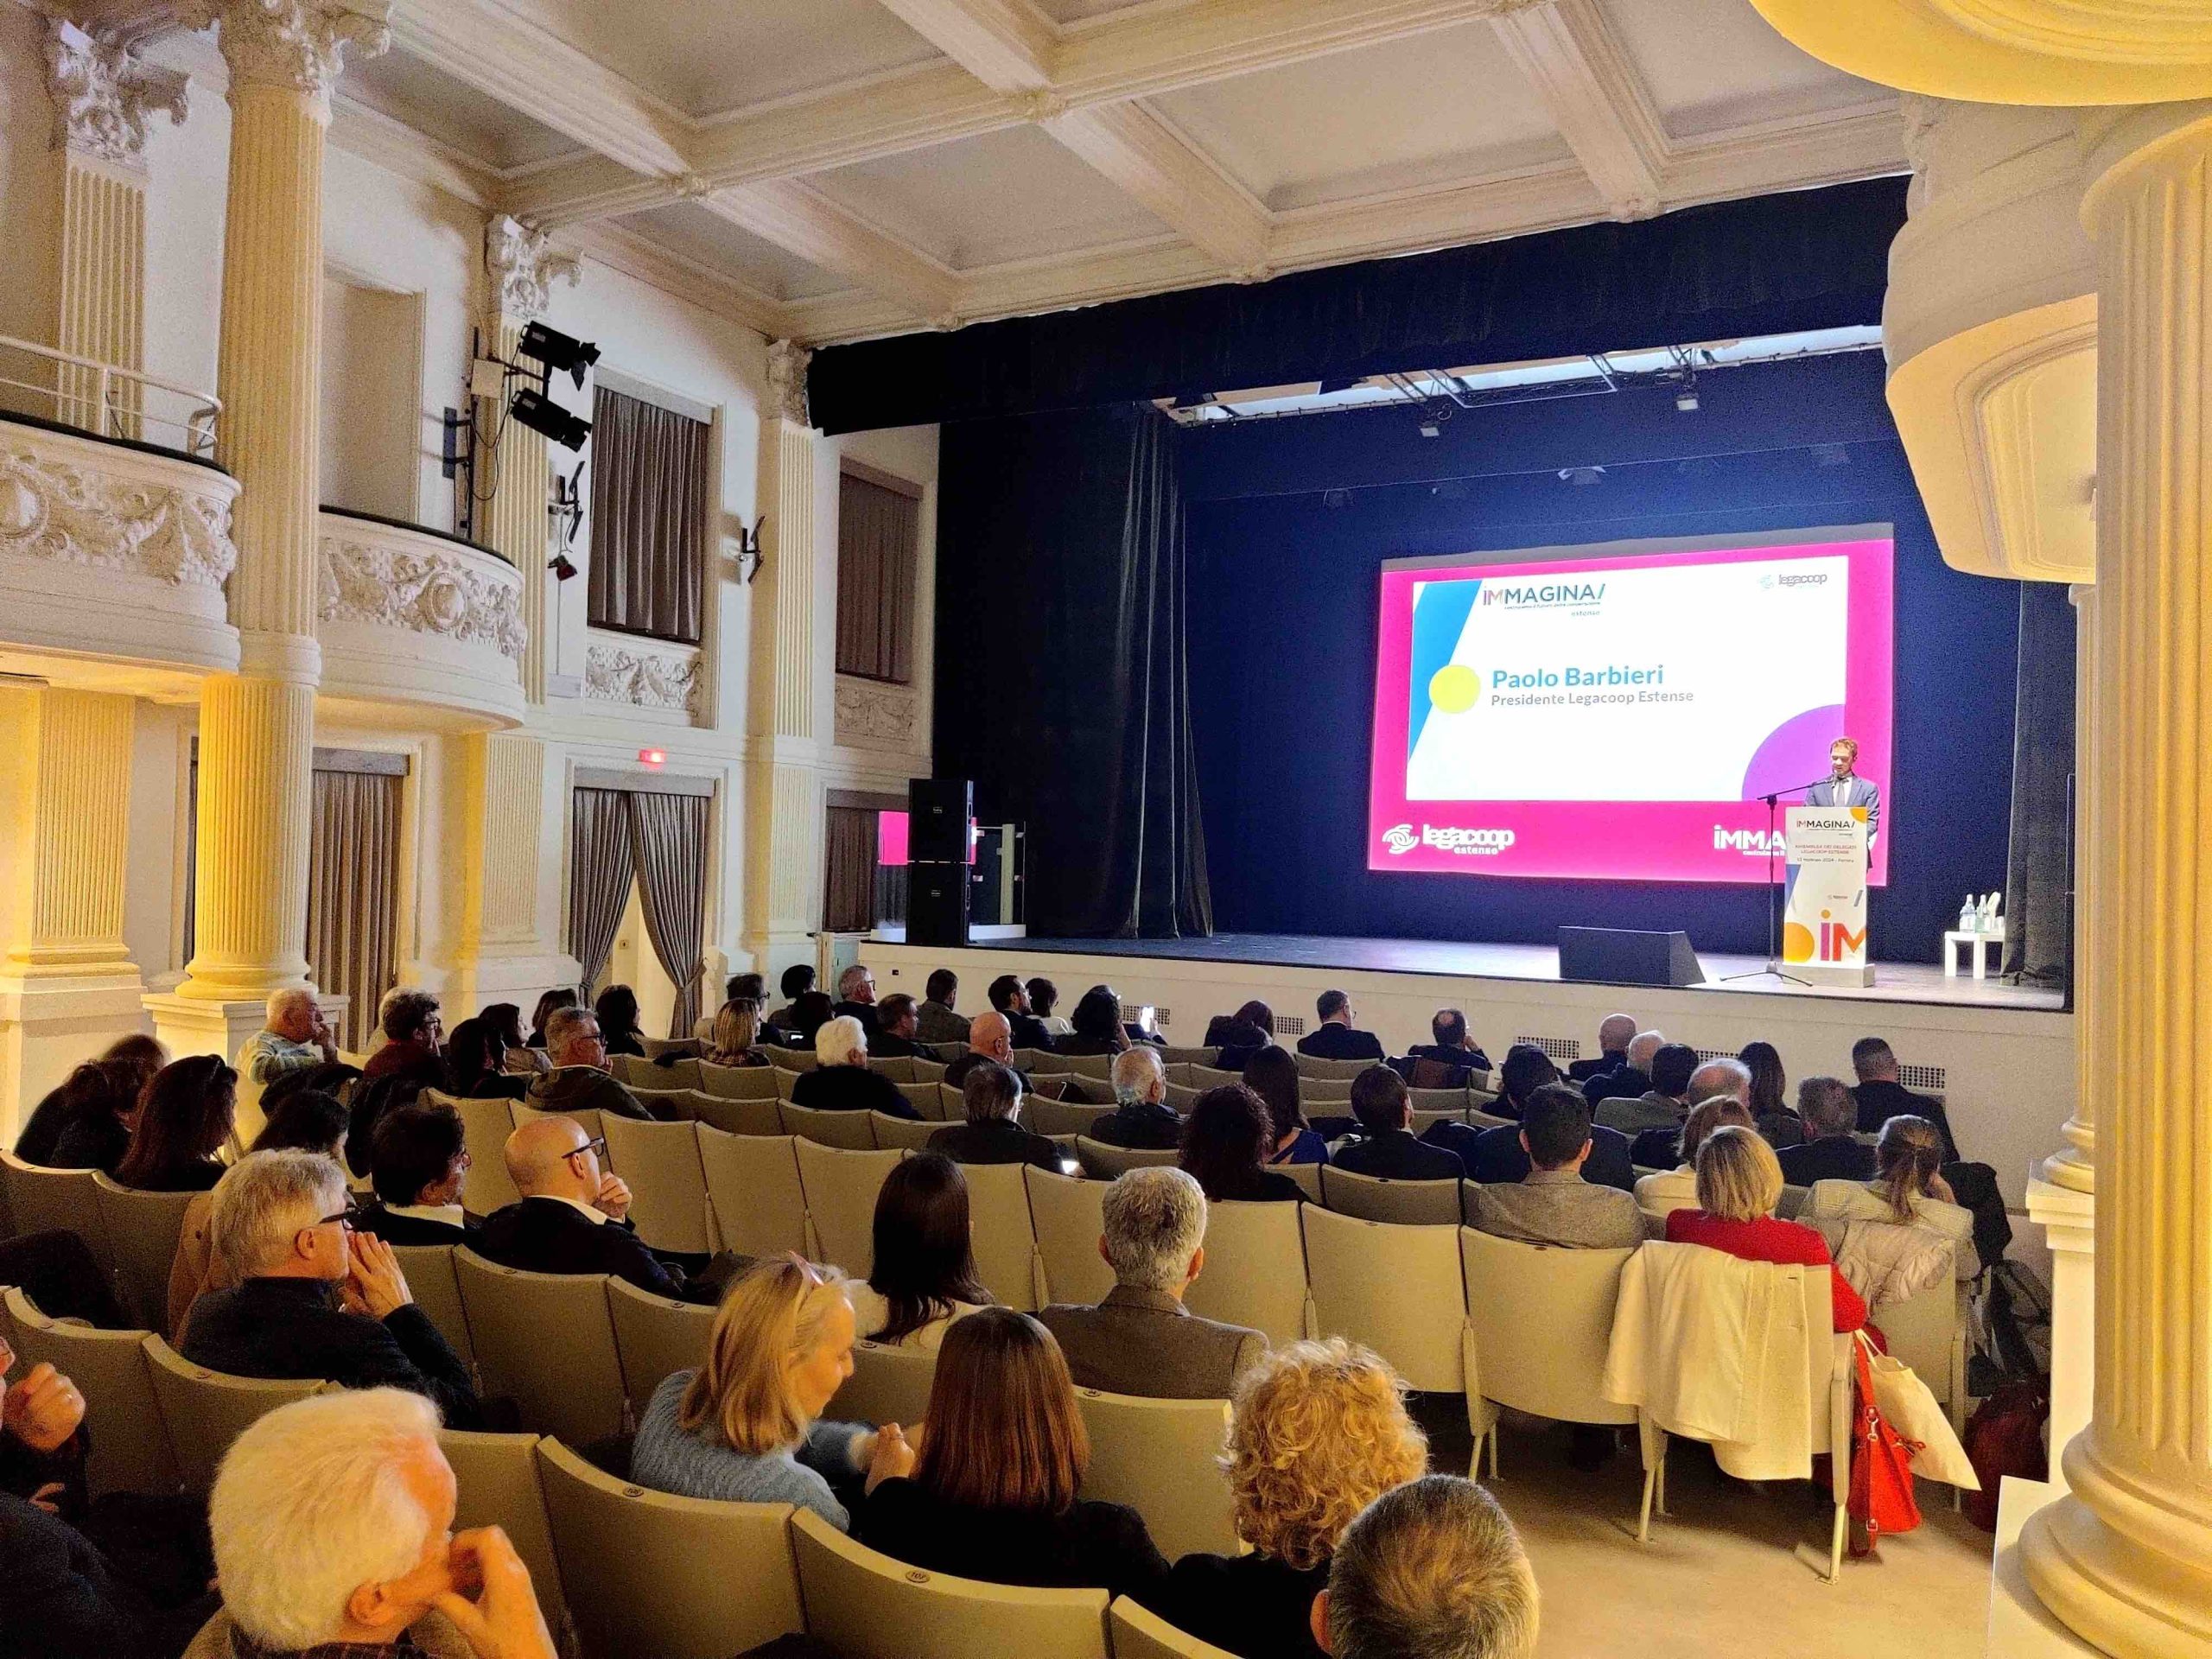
(1824, 905)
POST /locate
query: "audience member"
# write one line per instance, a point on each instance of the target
(856, 997)
(573, 1216)
(1880, 1097)
(1044, 997)
(1225, 1145)
(1831, 1151)
(476, 1063)
(371, 1104)
(1141, 1116)
(733, 1035)
(1336, 1038)
(579, 1080)
(1632, 1078)
(1142, 1339)
(310, 1299)
(183, 1122)
(993, 1132)
(332, 1521)
(939, 1024)
(1552, 1204)
(57, 1270)
(302, 1121)
(1908, 1191)
(1495, 1156)
(810, 1011)
(1663, 1106)
(1318, 1432)
(1430, 1570)
(1526, 1068)
(990, 1041)
(1667, 1190)
(1769, 1097)
(419, 1163)
(1097, 1026)
(1739, 1183)
(740, 988)
(517, 1058)
(1615, 1032)
(1009, 996)
(294, 1034)
(1381, 1103)
(1272, 1074)
(1660, 1148)
(840, 1081)
(897, 1028)
(1239, 1035)
(993, 1492)
(105, 1091)
(413, 1027)
(560, 996)
(923, 1276)
(1452, 1057)
(795, 983)
(746, 1427)
(617, 1008)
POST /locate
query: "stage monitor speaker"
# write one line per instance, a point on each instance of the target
(1623, 956)
(938, 811)
(936, 904)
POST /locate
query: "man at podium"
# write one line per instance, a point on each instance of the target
(1845, 787)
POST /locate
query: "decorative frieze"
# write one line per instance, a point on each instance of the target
(642, 677)
(118, 519)
(872, 714)
(421, 588)
(104, 98)
(787, 363)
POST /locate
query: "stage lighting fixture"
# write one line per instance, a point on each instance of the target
(557, 351)
(1336, 498)
(1582, 477)
(1685, 398)
(547, 419)
(559, 565)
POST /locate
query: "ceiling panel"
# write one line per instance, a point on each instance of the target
(1432, 107)
(1014, 194)
(687, 228)
(1076, 11)
(1713, 64)
(706, 56)
(454, 114)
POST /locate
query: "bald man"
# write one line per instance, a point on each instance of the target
(990, 1036)
(573, 1217)
(1615, 1032)
(1632, 1076)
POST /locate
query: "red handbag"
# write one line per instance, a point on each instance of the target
(1882, 1499)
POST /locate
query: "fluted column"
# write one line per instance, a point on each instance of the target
(784, 787)
(257, 728)
(2125, 1559)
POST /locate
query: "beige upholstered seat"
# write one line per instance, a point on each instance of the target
(737, 1082)
(587, 1118)
(929, 1071)
(1929, 1333)
(751, 1114)
(951, 1104)
(1105, 1162)
(486, 1125)
(1426, 1119)
(1330, 1096)
(205, 1410)
(654, 1337)
(902, 1132)
(682, 1047)
(1089, 1065)
(496, 1482)
(650, 1574)
(785, 1081)
(1792, 1203)
(1160, 1457)
(790, 1059)
(1539, 1318)
(847, 1129)
(547, 1341)
(1453, 1100)
(1308, 1177)
(1206, 1077)
(1395, 1288)
(1062, 1117)
(1404, 1203)
(430, 1276)
(1189, 1056)
(1064, 1215)
(841, 1187)
(55, 1200)
(897, 1067)
(129, 1441)
(668, 1189)
(923, 1096)
(888, 1385)
(1330, 1071)
(1139, 1633)
(1182, 1097)
(1042, 1063)
(754, 1189)
(1483, 1120)
(649, 1074)
(667, 1105)
(142, 1229)
(863, 1605)
(998, 1223)
(1254, 1272)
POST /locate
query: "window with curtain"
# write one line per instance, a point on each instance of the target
(848, 882)
(878, 545)
(649, 478)
(354, 893)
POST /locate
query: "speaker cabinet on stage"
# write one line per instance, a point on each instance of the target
(1621, 956)
(937, 813)
(936, 904)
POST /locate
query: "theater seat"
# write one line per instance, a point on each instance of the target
(496, 1482)
(1160, 1457)
(1139, 1633)
(654, 1339)
(1539, 1321)
(43, 1200)
(847, 1129)
(142, 1229)
(1103, 1162)
(130, 1445)
(1396, 1289)
(841, 1187)
(486, 1125)
(902, 1132)
(1254, 1273)
(1064, 1213)
(888, 1385)
(668, 1191)
(753, 1186)
(430, 1276)
(738, 1082)
(1404, 1203)
(546, 1341)
(738, 1114)
(205, 1410)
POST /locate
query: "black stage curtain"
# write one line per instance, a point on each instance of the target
(2038, 876)
(1806, 259)
(1061, 681)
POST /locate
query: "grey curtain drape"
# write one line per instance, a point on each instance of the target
(849, 882)
(354, 893)
(878, 540)
(668, 839)
(601, 869)
(649, 476)
(2038, 885)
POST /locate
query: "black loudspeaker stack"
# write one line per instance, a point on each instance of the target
(938, 814)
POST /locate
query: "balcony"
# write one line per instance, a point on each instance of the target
(418, 621)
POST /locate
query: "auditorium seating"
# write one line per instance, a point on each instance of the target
(1393, 1288)
(1067, 1220)
(545, 1340)
(659, 1162)
(841, 1187)
(1248, 1278)
(753, 1186)
(204, 1411)
(655, 1337)
(1538, 1321)
(430, 1276)
(1376, 1198)
(849, 1130)
(130, 1446)
(1105, 1162)
(654, 1076)
(888, 1385)
(50, 1200)
(142, 1230)
(738, 1082)
(740, 1115)
(1139, 1633)
(496, 1484)
(790, 1059)
(1005, 1245)
(1162, 1459)
(887, 1131)
(486, 1124)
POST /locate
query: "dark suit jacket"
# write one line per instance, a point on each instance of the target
(374, 1218)
(1252, 1605)
(1596, 1066)
(1623, 1079)
(1331, 1041)
(863, 1012)
(1831, 1158)
(60, 1595)
(956, 1074)
(1446, 1068)
(1880, 1101)
(1029, 1032)
(1655, 1148)
(1495, 1155)
(294, 1327)
(1396, 1155)
(1075, 1043)
(1093, 1545)
(850, 1089)
(995, 1142)
(1146, 1342)
(888, 1046)
(1152, 1125)
(549, 1235)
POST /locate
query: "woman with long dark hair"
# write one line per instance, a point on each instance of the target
(107, 1091)
(1770, 1102)
(505, 1021)
(1097, 1025)
(560, 996)
(1272, 1074)
(617, 1008)
(924, 1274)
(187, 1115)
(476, 1063)
(1225, 1147)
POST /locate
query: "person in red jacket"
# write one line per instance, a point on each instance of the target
(1739, 1183)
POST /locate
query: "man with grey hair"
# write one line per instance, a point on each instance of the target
(1142, 1340)
(1832, 1152)
(1429, 1570)
(332, 1520)
(1632, 1076)
(293, 1036)
(840, 1081)
(312, 1298)
(993, 1132)
(1615, 1033)
(856, 997)
(1141, 1116)
(579, 1080)
(1717, 1077)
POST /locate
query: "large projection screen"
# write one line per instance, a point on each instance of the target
(1616, 711)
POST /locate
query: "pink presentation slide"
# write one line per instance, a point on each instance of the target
(1616, 711)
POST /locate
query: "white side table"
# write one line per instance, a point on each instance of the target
(1972, 942)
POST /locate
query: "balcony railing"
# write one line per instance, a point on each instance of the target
(107, 402)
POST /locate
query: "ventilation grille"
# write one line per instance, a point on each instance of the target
(1558, 1048)
(1928, 1080)
(1290, 1025)
(1161, 1016)
(1705, 1054)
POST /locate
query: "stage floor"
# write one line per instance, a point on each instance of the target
(1895, 981)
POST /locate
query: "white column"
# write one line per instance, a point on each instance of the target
(2125, 1559)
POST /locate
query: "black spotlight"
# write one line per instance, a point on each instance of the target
(561, 567)
(557, 351)
(548, 419)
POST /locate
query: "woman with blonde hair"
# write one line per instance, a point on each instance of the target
(744, 1426)
(1908, 1189)
(736, 1030)
(1660, 1194)
(1738, 1183)
(1319, 1433)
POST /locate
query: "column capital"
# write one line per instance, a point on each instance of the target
(104, 96)
(2120, 145)
(787, 361)
(520, 261)
(299, 44)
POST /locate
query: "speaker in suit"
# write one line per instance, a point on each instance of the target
(1853, 790)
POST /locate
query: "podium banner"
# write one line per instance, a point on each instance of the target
(1824, 906)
